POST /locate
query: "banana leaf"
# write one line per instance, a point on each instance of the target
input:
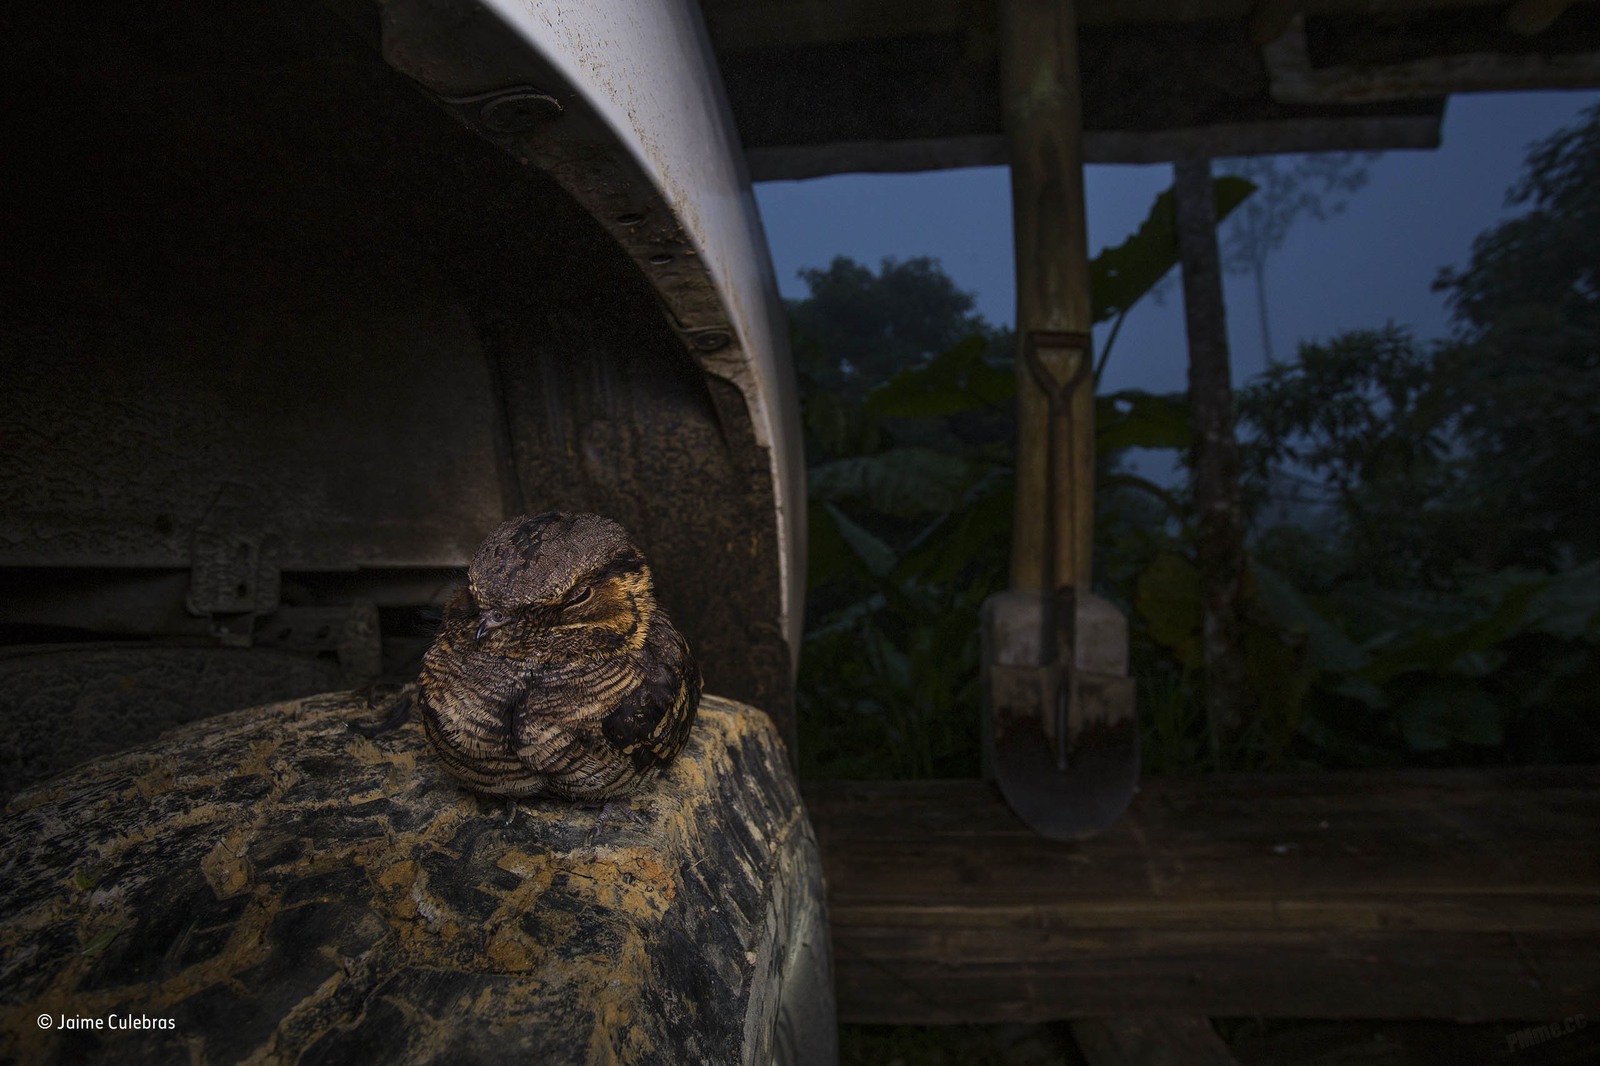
(1119, 277)
(904, 482)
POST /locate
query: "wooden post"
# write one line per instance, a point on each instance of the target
(1214, 452)
(1060, 731)
(1044, 127)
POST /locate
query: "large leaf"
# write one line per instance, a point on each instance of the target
(902, 481)
(1338, 743)
(1447, 713)
(1169, 601)
(1120, 276)
(1279, 680)
(847, 619)
(828, 554)
(952, 381)
(1425, 649)
(841, 427)
(1569, 607)
(1137, 419)
(1326, 644)
(980, 531)
(873, 553)
(888, 662)
(1133, 481)
(1373, 608)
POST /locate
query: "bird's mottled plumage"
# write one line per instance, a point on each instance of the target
(555, 671)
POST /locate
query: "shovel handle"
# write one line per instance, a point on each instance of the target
(1058, 401)
(1055, 635)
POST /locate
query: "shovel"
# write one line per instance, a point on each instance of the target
(1060, 733)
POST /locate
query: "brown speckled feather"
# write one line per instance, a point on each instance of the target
(555, 671)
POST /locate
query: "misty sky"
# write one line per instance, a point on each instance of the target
(1374, 263)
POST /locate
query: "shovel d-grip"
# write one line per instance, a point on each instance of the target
(1060, 734)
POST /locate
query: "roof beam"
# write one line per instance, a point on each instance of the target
(738, 24)
(1336, 61)
(1223, 140)
(1531, 17)
(828, 86)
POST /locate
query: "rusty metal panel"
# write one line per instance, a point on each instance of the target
(147, 449)
(304, 316)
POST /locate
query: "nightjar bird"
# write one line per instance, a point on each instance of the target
(555, 671)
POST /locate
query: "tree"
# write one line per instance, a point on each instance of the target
(857, 329)
(1360, 414)
(1309, 186)
(1213, 456)
(1523, 372)
(1483, 451)
(911, 498)
(1454, 614)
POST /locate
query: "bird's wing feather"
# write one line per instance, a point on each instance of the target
(652, 722)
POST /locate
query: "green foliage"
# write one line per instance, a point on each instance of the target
(956, 380)
(1437, 601)
(1452, 613)
(1169, 603)
(1286, 191)
(910, 480)
(1119, 277)
(1362, 413)
(858, 328)
(888, 683)
(1135, 419)
(1167, 620)
(1490, 668)
(1549, 255)
(1523, 375)
(904, 482)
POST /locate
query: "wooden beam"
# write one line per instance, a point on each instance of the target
(1217, 141)
(761, 23)
(1043, 107)
(1531, 17)
(1355, 79)
(1461, 895)
(1151, 1042)
(1150, 93)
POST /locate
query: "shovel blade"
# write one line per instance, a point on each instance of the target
(1061, 738)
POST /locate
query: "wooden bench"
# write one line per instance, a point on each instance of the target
(1464, 894)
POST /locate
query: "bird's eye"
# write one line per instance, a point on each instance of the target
(581, 596)
(493, 618)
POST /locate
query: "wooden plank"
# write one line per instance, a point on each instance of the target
(1420, 894)
(1151, 1042)
(1217, 140)
(1053, 535)
(738, 24)
(1533, 17)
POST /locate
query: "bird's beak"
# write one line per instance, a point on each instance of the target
(483, 627)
